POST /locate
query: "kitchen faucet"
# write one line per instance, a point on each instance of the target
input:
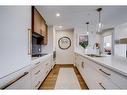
(97, 45)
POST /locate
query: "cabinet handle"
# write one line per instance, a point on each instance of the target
(82, 64)
(13, 81)
(29, 42)
(102, 86)
(104, 72)
(37, 84)
(37, 63)
(37, 72)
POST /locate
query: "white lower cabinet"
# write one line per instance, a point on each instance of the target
(40, 71)
(114, 77)
(18, 80)
(30, 77)
(36, 76)
(99, 77)
(79, 63)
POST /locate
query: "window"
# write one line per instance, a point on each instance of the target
(107, 44)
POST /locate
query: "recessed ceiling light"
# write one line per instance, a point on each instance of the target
(57, 14)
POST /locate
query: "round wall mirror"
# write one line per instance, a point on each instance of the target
(64, 43)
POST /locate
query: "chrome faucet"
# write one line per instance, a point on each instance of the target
(97, 45)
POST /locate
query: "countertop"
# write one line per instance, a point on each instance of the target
(115, 63)
(35, 60)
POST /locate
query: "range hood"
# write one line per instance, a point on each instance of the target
(121, 41)
(39, 38)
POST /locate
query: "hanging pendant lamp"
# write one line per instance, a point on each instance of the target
(99, 17)
(87, 24)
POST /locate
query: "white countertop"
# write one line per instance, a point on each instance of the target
(115, 63)
(34, 60)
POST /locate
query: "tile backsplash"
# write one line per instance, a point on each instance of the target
(36, 48)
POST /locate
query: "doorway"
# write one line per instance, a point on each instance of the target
(64, 47)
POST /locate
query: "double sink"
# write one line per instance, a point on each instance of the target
(95, 55)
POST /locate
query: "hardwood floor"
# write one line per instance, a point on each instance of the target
(50, 81)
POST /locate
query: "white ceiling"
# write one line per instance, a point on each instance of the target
(72, 16)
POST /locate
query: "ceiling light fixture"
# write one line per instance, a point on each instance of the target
(87, 27)
(57, 14)
(99, 24)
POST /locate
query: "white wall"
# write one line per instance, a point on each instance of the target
(14, 24)
(120, 32)
(65, 56)
(50, 47)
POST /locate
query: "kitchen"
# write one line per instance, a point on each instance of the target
(63, 47)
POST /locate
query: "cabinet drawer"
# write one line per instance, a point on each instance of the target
(36, 71)
(36, 83)
(99, 81)
(105, 83)
(116, 78)
(36, 79)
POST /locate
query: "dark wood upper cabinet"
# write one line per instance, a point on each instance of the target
(39, 25)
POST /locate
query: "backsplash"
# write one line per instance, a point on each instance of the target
(36, 48)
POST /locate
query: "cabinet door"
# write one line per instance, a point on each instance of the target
(45, 33)
(14, 22)
(43, 71)
(23, 83)
(38, 75)
(77, 61)
(121, 31)
(43, 28)
(37, 21)
(94, 79)
(81, 65)
(90, 76)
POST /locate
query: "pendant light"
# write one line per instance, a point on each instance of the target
(99, 23)
(87, 27)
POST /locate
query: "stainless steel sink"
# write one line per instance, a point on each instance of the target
(94, 55)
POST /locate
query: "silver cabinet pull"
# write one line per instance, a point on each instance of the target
(29, 41)
(82, 64)
(13, 81)
(37, 72)
(104, 72)
(102, 86)
(37, 84)
(37, 63)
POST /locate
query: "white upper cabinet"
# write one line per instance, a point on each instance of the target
(121, 31)
(14, 24)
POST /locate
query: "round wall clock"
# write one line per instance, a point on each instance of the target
(64, 43)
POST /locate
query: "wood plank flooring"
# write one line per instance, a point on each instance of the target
(50, 80)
